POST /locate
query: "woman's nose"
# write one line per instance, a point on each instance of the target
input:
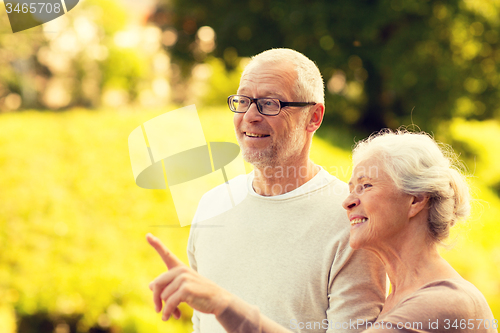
(350, 202)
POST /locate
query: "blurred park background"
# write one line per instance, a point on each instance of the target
(73, 255)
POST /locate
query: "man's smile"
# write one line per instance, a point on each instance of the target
(255, 135)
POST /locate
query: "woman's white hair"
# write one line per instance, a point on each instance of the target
(309, 85)
(419, 165)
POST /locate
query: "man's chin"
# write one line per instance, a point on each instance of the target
(259, 159)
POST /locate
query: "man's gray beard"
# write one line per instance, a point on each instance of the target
(277, 153)
(262, 159)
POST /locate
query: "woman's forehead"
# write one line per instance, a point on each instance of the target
(371, 168)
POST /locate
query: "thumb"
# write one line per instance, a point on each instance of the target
(168, 257)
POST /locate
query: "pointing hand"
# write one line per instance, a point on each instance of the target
(182, 284)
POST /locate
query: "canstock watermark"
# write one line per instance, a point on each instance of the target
(357, 324)
(337, 171)
(301, 172)
(362, 178)
(363, 174)
(26, 14)
(451, 325)
(170, 151)
(338, 189)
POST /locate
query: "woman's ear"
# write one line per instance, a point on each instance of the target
(419, 203)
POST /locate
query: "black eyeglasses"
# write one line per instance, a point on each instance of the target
(266, 106)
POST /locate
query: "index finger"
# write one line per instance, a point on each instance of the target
(168, 257)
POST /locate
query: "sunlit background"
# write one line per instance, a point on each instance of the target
(73, 255)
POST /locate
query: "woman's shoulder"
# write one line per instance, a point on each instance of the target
(450, 295)
(446, 290)
(441, 305)
(449, 285)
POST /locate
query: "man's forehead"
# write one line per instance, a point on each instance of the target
(272, 92)
(267, 69)
(273, 65)
(269, 80)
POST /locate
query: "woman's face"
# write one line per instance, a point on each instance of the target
(377, 210)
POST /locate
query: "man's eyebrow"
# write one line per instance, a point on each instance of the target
(271, 93)
(265, 94)
(277, 94)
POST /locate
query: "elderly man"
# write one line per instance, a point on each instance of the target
(285, 246)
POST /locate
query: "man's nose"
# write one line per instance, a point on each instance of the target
(253, 114)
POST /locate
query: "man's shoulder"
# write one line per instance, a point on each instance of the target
(332, 185)
(222, 198)
(322, 184)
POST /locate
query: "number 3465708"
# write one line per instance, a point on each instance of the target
(33, 8)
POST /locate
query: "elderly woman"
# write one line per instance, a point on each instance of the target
(405, 194)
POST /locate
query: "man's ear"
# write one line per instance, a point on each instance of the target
(419, 203)
(316, 117)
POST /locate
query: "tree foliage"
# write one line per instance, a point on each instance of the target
(88, 57)
(385, 63)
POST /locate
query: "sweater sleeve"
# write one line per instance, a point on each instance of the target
(357, 290)
(241, 317)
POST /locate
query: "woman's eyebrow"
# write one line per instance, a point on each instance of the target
(359, 179)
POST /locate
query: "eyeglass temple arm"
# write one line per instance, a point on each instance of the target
(296, 103)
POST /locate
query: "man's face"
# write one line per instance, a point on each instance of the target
(271, 140)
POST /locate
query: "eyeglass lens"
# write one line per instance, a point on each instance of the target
(265, 105)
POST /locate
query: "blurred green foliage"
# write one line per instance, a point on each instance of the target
(476, 253)
(72, 221)
(89, 57)
(221, 82)
(124, 69)
(386, 62)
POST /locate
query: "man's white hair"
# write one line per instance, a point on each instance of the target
(309, 85)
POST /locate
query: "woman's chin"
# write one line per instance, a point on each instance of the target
(357, 235)
(357, 240)
(354, 243)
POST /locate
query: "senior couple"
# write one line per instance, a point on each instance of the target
(305, 252)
